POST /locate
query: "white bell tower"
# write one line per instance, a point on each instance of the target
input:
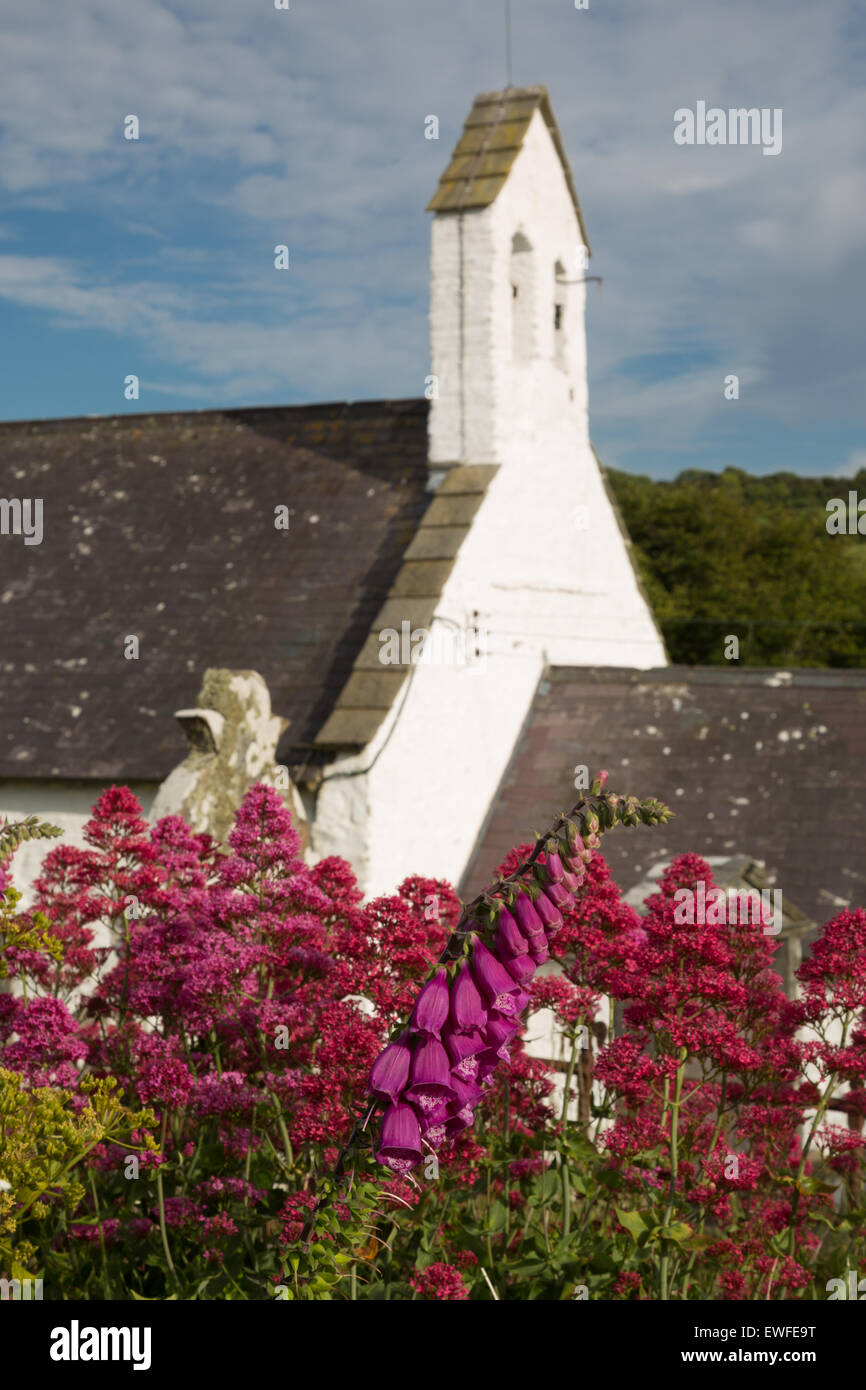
(508, 262)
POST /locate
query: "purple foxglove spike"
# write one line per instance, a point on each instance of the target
(528, 919)
(467, 1007)
(510, 940)
(432, 1005)
(520, 968)
(400, 1142)
(430, 1076)
(390, 1071)
(557, 893)
(459, 1045)
(554, 867)
(550, 915)
(572, 881)
(492, 978)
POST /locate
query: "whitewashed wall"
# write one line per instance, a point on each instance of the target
(552, 583)
(66, 804)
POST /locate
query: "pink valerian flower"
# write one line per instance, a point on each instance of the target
(179, 1211)
(230, 1189)
(90, 1232)
(165, 1082)
(439, 1281)
(41, 1041)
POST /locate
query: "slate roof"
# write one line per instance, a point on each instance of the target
(491, 141)
(759, 762)
(372, 687)
(162, 527)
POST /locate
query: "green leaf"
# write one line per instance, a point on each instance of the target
(496, 1218)
(633, 1223)
(678, 1231)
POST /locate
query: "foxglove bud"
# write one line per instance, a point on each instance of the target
(528, 919)
(553, 865)
(521, 968)
(539, 950)
(557, 893)
(550, 915)
(510, 940)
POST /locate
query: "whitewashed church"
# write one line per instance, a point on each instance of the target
(476, 523)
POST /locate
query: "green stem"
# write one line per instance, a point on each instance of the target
(161, 1200)
(675, 1116)
(106, 1288)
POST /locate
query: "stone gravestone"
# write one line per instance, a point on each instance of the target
(232, 736)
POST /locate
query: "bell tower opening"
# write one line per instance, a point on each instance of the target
(522, 299)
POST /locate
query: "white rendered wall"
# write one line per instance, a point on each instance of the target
(544, 563)
(66, 804)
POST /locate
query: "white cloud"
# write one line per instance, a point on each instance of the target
(306, 127)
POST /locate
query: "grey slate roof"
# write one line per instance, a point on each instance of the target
(162, 527)
(759, 762)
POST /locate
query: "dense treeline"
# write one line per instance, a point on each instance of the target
(731, 553)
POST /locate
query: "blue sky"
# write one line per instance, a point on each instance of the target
(306, 127)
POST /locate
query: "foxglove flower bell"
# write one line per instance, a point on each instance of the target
(432, 1006)
(493, 979)
(400, 1145)
(467, 1007)
(430, 1075)
(390, 1071)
